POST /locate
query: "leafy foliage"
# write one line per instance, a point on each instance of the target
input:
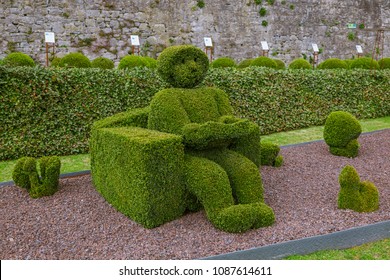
(75, 60)
(384, 63)
(102, 63)
(356, 195)
(18, 59)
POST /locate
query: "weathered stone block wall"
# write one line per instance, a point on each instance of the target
(103, 28)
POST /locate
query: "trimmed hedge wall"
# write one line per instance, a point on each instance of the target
(50, 111)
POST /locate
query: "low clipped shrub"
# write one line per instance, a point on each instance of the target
(341, 132)
(55, 62)
(75, 60)
(356, 195)
(245, 63)
(263, 61)
(18, 59)
(269, 154)
(102, 63)
(38, 184)
(150, 62)
(131, 61)
(364, 63)
(299, 63)
(333, 63)
(384, 63)
(223, 62)
(280, 64)
(348, 62)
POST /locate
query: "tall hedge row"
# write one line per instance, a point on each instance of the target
(50, 111)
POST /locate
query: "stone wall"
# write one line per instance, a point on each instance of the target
(103, 28)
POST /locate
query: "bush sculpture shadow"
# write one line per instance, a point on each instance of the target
(356, 195)
(183, 152)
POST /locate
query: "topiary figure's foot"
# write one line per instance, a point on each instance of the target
(243, 217)
(351, 150)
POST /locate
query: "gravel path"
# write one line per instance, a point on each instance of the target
(77, 223)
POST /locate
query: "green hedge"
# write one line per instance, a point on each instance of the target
(50, 111)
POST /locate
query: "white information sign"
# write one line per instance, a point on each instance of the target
(208, 42)
(49, 37)
(134, 40)
(264, 45)
(315, 48)
(359, 49)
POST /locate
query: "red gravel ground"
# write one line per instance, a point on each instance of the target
(77, 223)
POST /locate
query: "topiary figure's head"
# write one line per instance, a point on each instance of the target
(341, 128)
(183, 66)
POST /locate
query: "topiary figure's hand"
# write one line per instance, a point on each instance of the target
(215, 134)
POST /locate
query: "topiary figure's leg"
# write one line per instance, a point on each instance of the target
(209, 182)
(20, 175)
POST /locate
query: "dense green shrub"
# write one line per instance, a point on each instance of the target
(263, 61)
(57, 106)
(42, 183)
(280, 64)
(384, 63)
(348, 62)
(131, 61)
(102, 63)
(245, 63)
(75, 60)
(364, 63)
(333, 63)
(55, 62)
(223, 62)
(18, 59)
(299, 63)
(1, 62)
(269, 153)
(356, 195)
(341, 132)
(150, 62)
(171, 68)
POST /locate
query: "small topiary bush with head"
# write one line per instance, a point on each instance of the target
(299, 63)
(223, 62)
(356, 195)
(341, 132)
(38, 184)
(364, 63)
(269, 154)
(280, 64)
(131, 61)
(75, 60)
(18, 59)
(384, 63)
(245, 63)
(102, 63)
(263, 61)
(333, 63)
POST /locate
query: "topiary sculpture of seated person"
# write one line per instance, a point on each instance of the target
(192, 153)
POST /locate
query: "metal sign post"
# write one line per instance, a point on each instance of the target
(209, 49)
(264, 46)
(135, 45)
(49, 41)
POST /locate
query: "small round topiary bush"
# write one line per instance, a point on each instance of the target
(183, 66)
(263, 61)
(341, 132)
(75, 60)
(131, 61)
(384, 63)
(299, 63)
(223, 62)
(348, 62)
(150, 62)
(18, 59)
(102, 63)
(245, 63)
(280, 64)
(364, 63)
(333, 63)
(55, 62)
(356, 195)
